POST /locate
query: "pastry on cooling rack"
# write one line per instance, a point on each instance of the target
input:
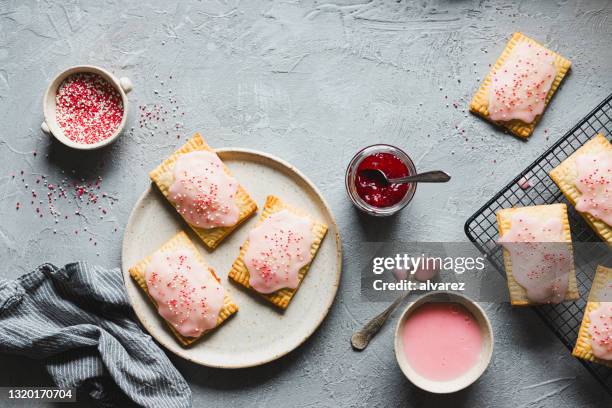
(274, 259)
(595, 335)
(519, 86)
(537, 250)
(185, 290)
(203, 191)
(585, 178)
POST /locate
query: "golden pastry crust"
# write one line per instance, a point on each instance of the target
(239, 272)
(163, 177)
(518, 294)
(564, 175)
(181, 240)
(480, 102)
(582, 349)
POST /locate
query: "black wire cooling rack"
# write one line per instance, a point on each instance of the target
(481, 228)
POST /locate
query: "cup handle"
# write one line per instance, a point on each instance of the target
(126, 84)
(45, 128)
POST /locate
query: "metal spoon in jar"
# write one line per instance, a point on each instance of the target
(435, 176)
(361, 338)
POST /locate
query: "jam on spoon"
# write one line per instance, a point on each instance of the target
(372, 189)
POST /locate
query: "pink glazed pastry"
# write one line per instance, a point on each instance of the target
(539, 251)
(594, 181)
(600, 329)
(203, 193)
(187, 295)
(594, 342)
(519, 87)
(278, 248)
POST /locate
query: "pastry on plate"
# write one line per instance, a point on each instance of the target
(585, 178)
(278, 252)
(516, 91)
(187, 293)
(203, 191)
(595, 335)
(538, 258)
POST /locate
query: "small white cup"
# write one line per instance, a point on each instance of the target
(50, 126)
(469, 377)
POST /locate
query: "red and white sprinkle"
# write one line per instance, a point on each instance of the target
(89, 109)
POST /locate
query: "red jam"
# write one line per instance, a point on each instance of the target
(372, 190)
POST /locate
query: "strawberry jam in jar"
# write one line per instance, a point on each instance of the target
(371, 194)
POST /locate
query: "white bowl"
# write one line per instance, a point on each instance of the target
(466, 379)
(50, 126)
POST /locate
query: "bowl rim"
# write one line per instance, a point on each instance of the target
(463, 381)
(49, 110)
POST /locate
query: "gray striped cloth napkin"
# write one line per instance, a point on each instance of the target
(78, 321)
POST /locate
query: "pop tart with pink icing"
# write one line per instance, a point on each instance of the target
(186, 292)
(203, 191)
(278, 252)
(538, 254)
(520, 85)
(585, 178)
(595, 335)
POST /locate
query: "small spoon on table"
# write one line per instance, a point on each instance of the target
(435, 176)
(361, 338)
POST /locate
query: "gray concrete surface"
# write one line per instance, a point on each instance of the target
(310, 82)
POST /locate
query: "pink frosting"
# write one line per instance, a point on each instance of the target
(442, 340)
(187, 295)
(278, 248)
(540, 260)
(519, 87)
(594, 181)
(203, 193)
(601, 331)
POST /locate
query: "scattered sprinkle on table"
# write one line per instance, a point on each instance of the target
(56, 202)
(89, 109)
(162, 116)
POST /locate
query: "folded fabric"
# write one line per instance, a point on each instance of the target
(78, 321)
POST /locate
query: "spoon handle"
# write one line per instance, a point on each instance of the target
(361, 338)
(435, 176)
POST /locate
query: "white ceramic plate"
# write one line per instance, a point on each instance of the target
(258, 333)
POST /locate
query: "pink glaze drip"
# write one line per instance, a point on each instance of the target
(540, 258)
(601, 331)
(278, 249)
(203, 193)
(442, 341)
(594, 181)
(186, 293)
(519, 87)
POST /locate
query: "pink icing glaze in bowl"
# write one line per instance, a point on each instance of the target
(428, 307)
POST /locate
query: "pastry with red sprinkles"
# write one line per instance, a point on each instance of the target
(88, 108)
(538, 255)
(519, 86)
(203, 191)
(278, 252)
(595, 335)
(585, 178)
(187, 293)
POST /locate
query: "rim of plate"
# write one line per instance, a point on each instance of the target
(184, 351)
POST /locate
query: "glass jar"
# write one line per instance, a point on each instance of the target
(352, 173)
